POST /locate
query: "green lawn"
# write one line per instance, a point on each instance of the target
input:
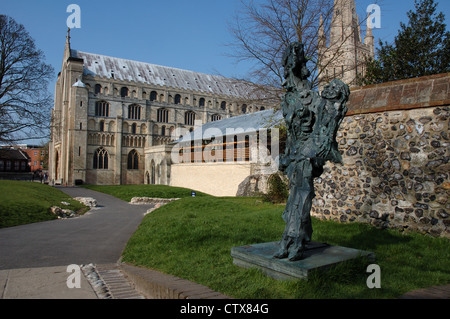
(27, 202)
(192, 238)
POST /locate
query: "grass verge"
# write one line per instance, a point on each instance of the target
(27, 202)
(192, 238)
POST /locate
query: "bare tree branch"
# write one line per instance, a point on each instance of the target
(25, 102)
(262, 31)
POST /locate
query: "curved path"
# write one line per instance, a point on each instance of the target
(97, 237)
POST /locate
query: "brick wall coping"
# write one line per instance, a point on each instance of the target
(427, 91)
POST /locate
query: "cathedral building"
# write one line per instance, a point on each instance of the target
(117, 121)
(343, 54)
(109, 112)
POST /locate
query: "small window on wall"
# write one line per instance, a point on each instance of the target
(178, 99)
(101, 159)
(223, 105)
(201, 102)
(124, 92)
(215, 117)
(153, 96)
(98, 89)
(133, 160)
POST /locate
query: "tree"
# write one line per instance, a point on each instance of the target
(25, 102)
(262, 32)
(421, 48)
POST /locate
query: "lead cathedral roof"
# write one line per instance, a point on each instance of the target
(140, 72)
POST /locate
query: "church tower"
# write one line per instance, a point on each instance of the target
(343, 57)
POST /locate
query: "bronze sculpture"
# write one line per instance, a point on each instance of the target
(312, 122)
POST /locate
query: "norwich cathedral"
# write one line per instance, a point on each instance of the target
(115, 120)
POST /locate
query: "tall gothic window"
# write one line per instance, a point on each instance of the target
(101, 159)
(102, 108)
(134, 112)
(133, 160)
(163, 116)
(189, 118)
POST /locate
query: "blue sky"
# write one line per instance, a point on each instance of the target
(179, 33)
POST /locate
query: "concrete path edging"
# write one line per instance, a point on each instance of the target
(157, 285)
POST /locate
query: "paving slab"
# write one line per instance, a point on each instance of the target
(42, 283)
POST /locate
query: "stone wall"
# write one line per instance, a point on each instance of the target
(218, 179)
(395, 145)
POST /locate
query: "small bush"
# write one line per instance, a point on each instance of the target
(278, 190)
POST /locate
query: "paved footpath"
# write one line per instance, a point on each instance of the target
(34, 257)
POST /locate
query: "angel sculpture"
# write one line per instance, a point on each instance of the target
(312, 122)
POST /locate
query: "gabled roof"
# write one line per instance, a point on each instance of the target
(140, 72)
(248, 123)
(11, 154)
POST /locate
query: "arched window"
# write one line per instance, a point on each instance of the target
(102, 108)
(153, 96)
(223, 105)
(178, 99)
(133, 128)
(244, 108)
(101, 159)
(163, 116)
(124, 92)
(98, 89)
(189, 118)
(133, 160)
(201, 103)
(163, 131)
(101, 126)
(134, 112)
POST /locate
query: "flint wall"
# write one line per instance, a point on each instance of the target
(395, 146)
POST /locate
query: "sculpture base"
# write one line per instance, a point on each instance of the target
(316, 256)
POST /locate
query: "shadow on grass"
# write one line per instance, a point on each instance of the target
(359, 236)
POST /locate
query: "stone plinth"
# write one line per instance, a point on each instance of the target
(317, 256)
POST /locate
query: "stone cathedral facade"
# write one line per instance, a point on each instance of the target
(343, 53)
(109, 112)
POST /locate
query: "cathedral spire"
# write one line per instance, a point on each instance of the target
(321, 35)
(344, 22)
(346, 52)
(369, 39)
(67, 50)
